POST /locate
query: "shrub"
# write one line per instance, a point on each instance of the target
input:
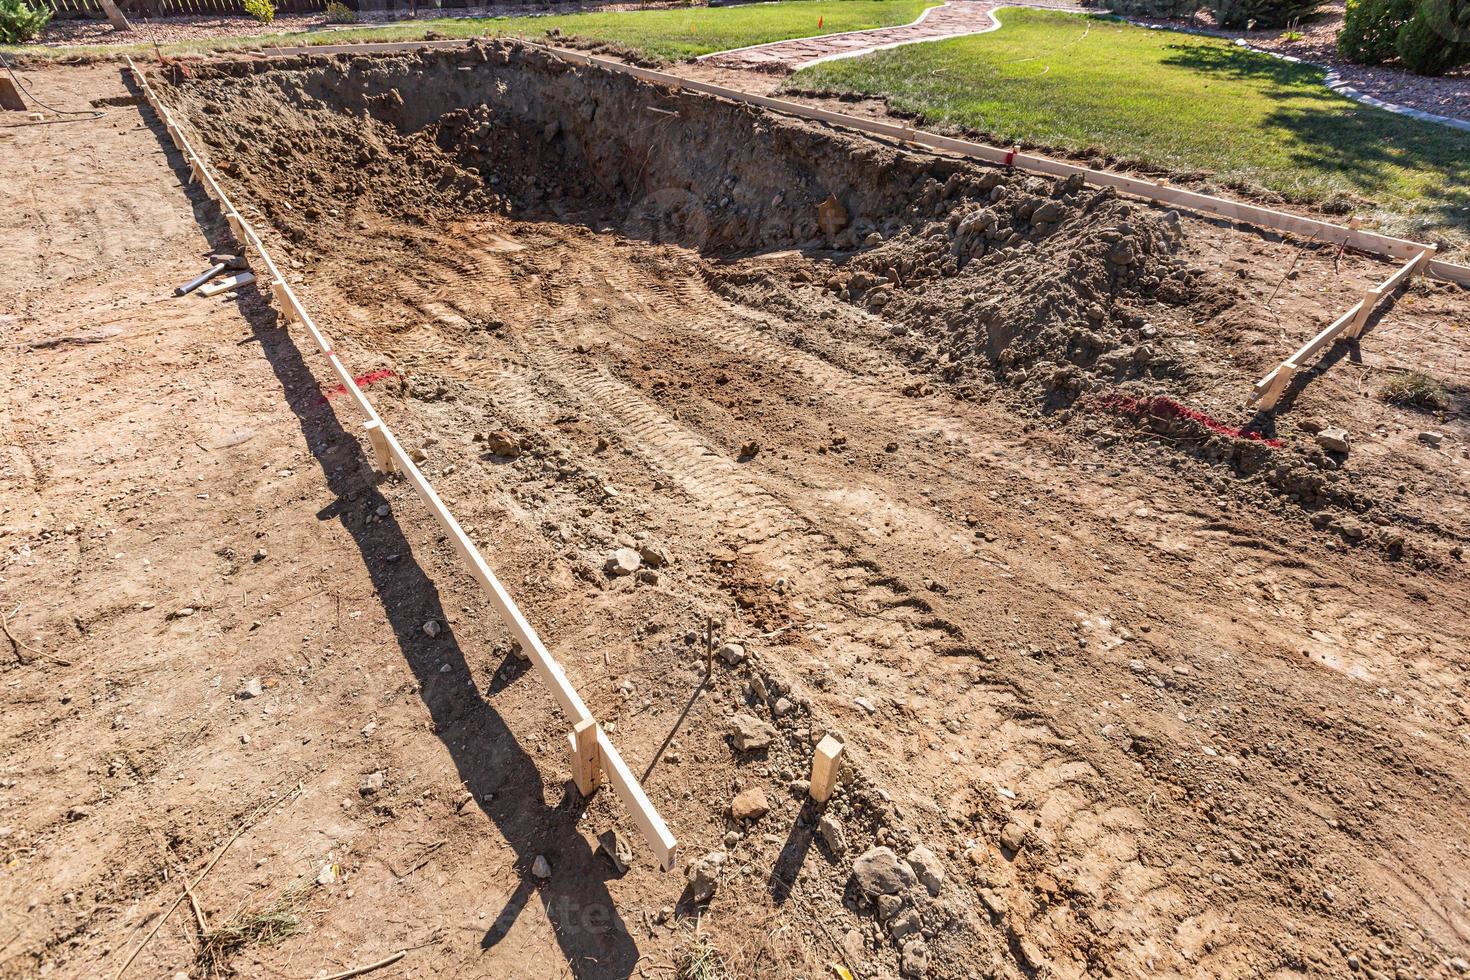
(1429, 37)
(1161, 9)
(262, 10)
(20, 22)
(1416, 390)
(1249, 14)
(340, 13)
(1436, 38)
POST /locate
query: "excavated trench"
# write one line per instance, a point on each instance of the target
(484, 178)
(978, 273)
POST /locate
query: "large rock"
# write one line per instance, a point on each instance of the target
(927, 867)
(704, 876)
(1334, 440)
(751, 733)
(750, 805)
(624, 561)
(879, 872)
(499, 442)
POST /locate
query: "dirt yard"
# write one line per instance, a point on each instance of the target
(1133, 682)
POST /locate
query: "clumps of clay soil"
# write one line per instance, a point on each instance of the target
(1046, 286)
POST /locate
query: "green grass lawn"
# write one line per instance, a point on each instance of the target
(668, 34)
(1173, 101)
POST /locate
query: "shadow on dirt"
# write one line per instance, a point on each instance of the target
(492, 765)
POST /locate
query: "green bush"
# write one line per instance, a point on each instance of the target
(262, 10)
(20, 22)
(1149, 9)
(1250, 14)
(1436, 38)
(1429, 37)
(340, 13)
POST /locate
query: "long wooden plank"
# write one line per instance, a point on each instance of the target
(1269, 389)
(664, 845)
(650, 824)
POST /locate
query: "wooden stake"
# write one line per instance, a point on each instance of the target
(586, 758)
(286, 304)
(826, 764)
(374, 430)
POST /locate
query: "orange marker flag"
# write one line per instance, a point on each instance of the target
(819, 22)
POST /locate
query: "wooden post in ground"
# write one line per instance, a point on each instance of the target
(283, 303)
(586, 757)
(374, 430)
(115, 16)
(826, 763)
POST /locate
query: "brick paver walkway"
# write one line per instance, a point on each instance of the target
(955, 19)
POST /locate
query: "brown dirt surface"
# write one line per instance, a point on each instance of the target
(1158, 700)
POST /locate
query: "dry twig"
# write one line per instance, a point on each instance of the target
(259, 816)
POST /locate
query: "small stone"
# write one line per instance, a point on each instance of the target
(383, 510)
(731, 839)
(647, 576)
(1013, 837)
(250, 689)
(1334, 440)
(624, 561)
(616, 847)
(327, 874)
(853, 946)
(866, 704)
(749, 449)
(541, 868)
(260, 554)
(499, 442)
(889, 906)
(704, 876)
(750, 733)
(905, 924)
(879, 872)
(782, 708)
(732, 653)
(79, 812)
(832, 833)
(928, 868)
(750, 805)
(915, 958)
(373, 784)
(653, 555)
(1431, 438)
(244, 739)
(432, 627)
(369, 728)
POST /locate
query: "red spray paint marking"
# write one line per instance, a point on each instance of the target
(366, 379)
(1168, 408)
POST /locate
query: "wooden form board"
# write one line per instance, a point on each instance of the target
(1268, 391)
(593, 753)
(1367, 241)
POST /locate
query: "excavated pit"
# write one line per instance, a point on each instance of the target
(983, 272)
(511, 199)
